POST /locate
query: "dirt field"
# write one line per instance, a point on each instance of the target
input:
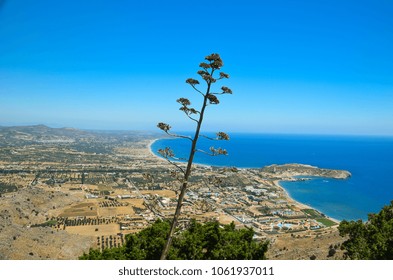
(94, 230)
(113, 211)
(164, 193)
(136, 202)
(88, 209)
(226, 219)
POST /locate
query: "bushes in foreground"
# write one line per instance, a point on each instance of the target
(372, 240)
(209, 241)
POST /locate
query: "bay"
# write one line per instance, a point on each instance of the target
(368, 158)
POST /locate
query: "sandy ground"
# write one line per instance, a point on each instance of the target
(94, 230)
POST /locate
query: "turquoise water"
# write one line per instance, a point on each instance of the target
(369, 159)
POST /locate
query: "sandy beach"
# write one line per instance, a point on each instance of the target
(299, 204)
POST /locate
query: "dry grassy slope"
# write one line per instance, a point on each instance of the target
(305, 246)
(33, 206)
(21, 243)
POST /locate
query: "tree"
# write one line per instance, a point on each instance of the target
(148, 243)
(372, 240)
(209, 241)
(106, 254)
(213, 241)
(208, 74)
(144, 245)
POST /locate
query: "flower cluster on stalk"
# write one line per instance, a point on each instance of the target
(163, 126)
(166, 153)
(218, 151)
(222, 136)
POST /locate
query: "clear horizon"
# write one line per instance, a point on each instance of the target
(296, 67)
(209, 132)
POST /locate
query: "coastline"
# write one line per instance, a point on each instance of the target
(276, 182)
(149, 147)
(163, 159)
(301, 205)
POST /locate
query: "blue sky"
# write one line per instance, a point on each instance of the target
(323, 67)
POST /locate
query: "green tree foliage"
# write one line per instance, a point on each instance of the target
(372, 240)
(210, 241)
(107, 254)
(148, 243)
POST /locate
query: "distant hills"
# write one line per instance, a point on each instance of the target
(40, 133)
(23, 135)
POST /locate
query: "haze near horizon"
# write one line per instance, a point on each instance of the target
(322, 67)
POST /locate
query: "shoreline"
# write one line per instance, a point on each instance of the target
(300, 204)
(276, 182)
(182, 162)
(151, 142)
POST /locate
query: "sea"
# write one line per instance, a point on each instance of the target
(368, 158)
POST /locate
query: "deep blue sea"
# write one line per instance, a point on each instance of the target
(368, 158)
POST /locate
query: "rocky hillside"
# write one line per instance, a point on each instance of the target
(28, 206)
(289, 170)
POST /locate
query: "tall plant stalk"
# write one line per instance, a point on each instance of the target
(209, 98)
